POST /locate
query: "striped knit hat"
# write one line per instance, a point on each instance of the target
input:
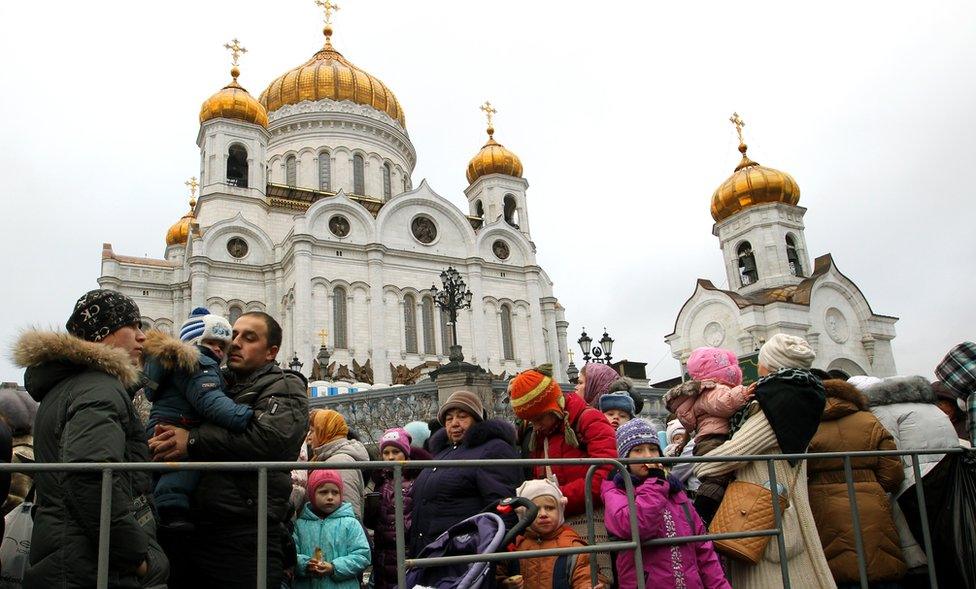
(534, 393)
(202, 325)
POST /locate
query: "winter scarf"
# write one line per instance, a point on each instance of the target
(793, 401)
(328, 425)
(598, 379)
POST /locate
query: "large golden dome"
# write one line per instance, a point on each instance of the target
(494, 158)
(234, 102)
(179, 232)
(752, 184)
(330, 75)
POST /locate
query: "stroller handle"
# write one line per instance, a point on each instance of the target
(507, 505)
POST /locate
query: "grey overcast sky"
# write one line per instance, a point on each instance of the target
(619, 111)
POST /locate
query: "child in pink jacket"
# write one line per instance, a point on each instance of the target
(663, 511)
(704, 405)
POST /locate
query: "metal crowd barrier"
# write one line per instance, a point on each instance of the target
(108, 471)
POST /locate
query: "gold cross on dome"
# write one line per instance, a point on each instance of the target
(329, 7)
(572, 357)
(236, 50)
(736, 120)
(192, 185)
(324, 335)
(490, 112)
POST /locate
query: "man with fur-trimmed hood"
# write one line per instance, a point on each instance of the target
(185, 385)
(84, 380)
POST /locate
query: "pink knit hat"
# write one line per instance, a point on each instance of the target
(317, 478)
(715, 364)
(398, 438)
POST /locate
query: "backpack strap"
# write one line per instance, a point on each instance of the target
(562, 571)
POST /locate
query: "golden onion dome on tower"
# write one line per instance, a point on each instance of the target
(179, 232)
(751, 184)
(494, 158)
(329, 75)
(233, 101)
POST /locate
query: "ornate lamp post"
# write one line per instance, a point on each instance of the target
(572, 371)
(599, 353)
(323, 356)
(295, 363)
(454, 297)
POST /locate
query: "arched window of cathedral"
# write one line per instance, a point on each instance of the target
(325, 171)
(339, 316)
(410, 323)
(387, 180)
(793, 257)
(511, 211)
(447, 337)
(508, 349)
(234, 313)
(479, 209)
(291, 171)
(358, 175)
(427, 322)
(748, 273)
(237, 165)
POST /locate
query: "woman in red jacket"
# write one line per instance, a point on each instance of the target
(562, 425)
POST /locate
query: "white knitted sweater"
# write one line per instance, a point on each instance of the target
(807, 563)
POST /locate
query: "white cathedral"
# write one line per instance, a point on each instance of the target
(307, 211)
(773, 288)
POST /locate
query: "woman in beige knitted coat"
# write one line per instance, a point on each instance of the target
(783, 419)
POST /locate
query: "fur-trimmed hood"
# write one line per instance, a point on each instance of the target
(67, 354)
(900, 389)
(477, 434)
(690, 388)
(843, 399)
(172, 354)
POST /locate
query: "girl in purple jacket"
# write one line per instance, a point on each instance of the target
(663, 511)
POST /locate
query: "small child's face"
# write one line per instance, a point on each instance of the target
(392, 453)
(644, 451)
(328, 498)
(680, 439)
(219, 348)
(617, 417)
(548, 517)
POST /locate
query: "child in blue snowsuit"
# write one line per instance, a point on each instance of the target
(330, 542)
(183, 381)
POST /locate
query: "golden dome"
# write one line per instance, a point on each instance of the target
(234, 102)
(330, 75)
(494, 158)
(179, 232)
(752, 184)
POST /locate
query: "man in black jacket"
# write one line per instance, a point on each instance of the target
(222, 550)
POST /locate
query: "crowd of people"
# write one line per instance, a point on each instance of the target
(219, 394)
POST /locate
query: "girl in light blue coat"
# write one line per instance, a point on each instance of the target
(332, 547)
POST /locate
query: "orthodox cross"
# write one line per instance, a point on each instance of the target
(572, 357)
(192, 185)
(490, 112)
(324, 335)
(329, 7)
(736, 120)
(236, 50)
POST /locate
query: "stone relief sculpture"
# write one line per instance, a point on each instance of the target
(363, 373)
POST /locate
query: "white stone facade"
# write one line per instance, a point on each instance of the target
(295, 264)
(821, 304)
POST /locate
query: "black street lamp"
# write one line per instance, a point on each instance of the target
(323, 356)
(572, 372)
(452, 299)
(295, 364)
(600, 353)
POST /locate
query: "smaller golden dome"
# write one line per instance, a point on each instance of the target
(494, 158)
(752, 184)
(234, 102)
(179, 232)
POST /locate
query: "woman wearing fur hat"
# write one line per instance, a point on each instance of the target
(782, 418)
(848, 426)
(906, 407)
(329, 439)
(183, 381)
(445, 496)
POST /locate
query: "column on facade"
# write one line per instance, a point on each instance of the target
(271, 304)
(552, 343)
(475, 285)
(377, 315)
(302, 313)
(562, 327)
(199, 274)
(536, 338)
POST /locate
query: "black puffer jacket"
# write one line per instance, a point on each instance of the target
(85, 415)
(280, 402)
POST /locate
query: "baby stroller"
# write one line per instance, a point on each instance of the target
(483, 533)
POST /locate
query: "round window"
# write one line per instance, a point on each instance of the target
(237, 247)
(423, 229)
(500, 249)
(339, 226)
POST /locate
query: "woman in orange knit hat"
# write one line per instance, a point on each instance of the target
(562, 425)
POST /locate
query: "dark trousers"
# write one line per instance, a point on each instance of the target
(222, 555)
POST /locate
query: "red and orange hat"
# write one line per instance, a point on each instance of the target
(534, 393)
